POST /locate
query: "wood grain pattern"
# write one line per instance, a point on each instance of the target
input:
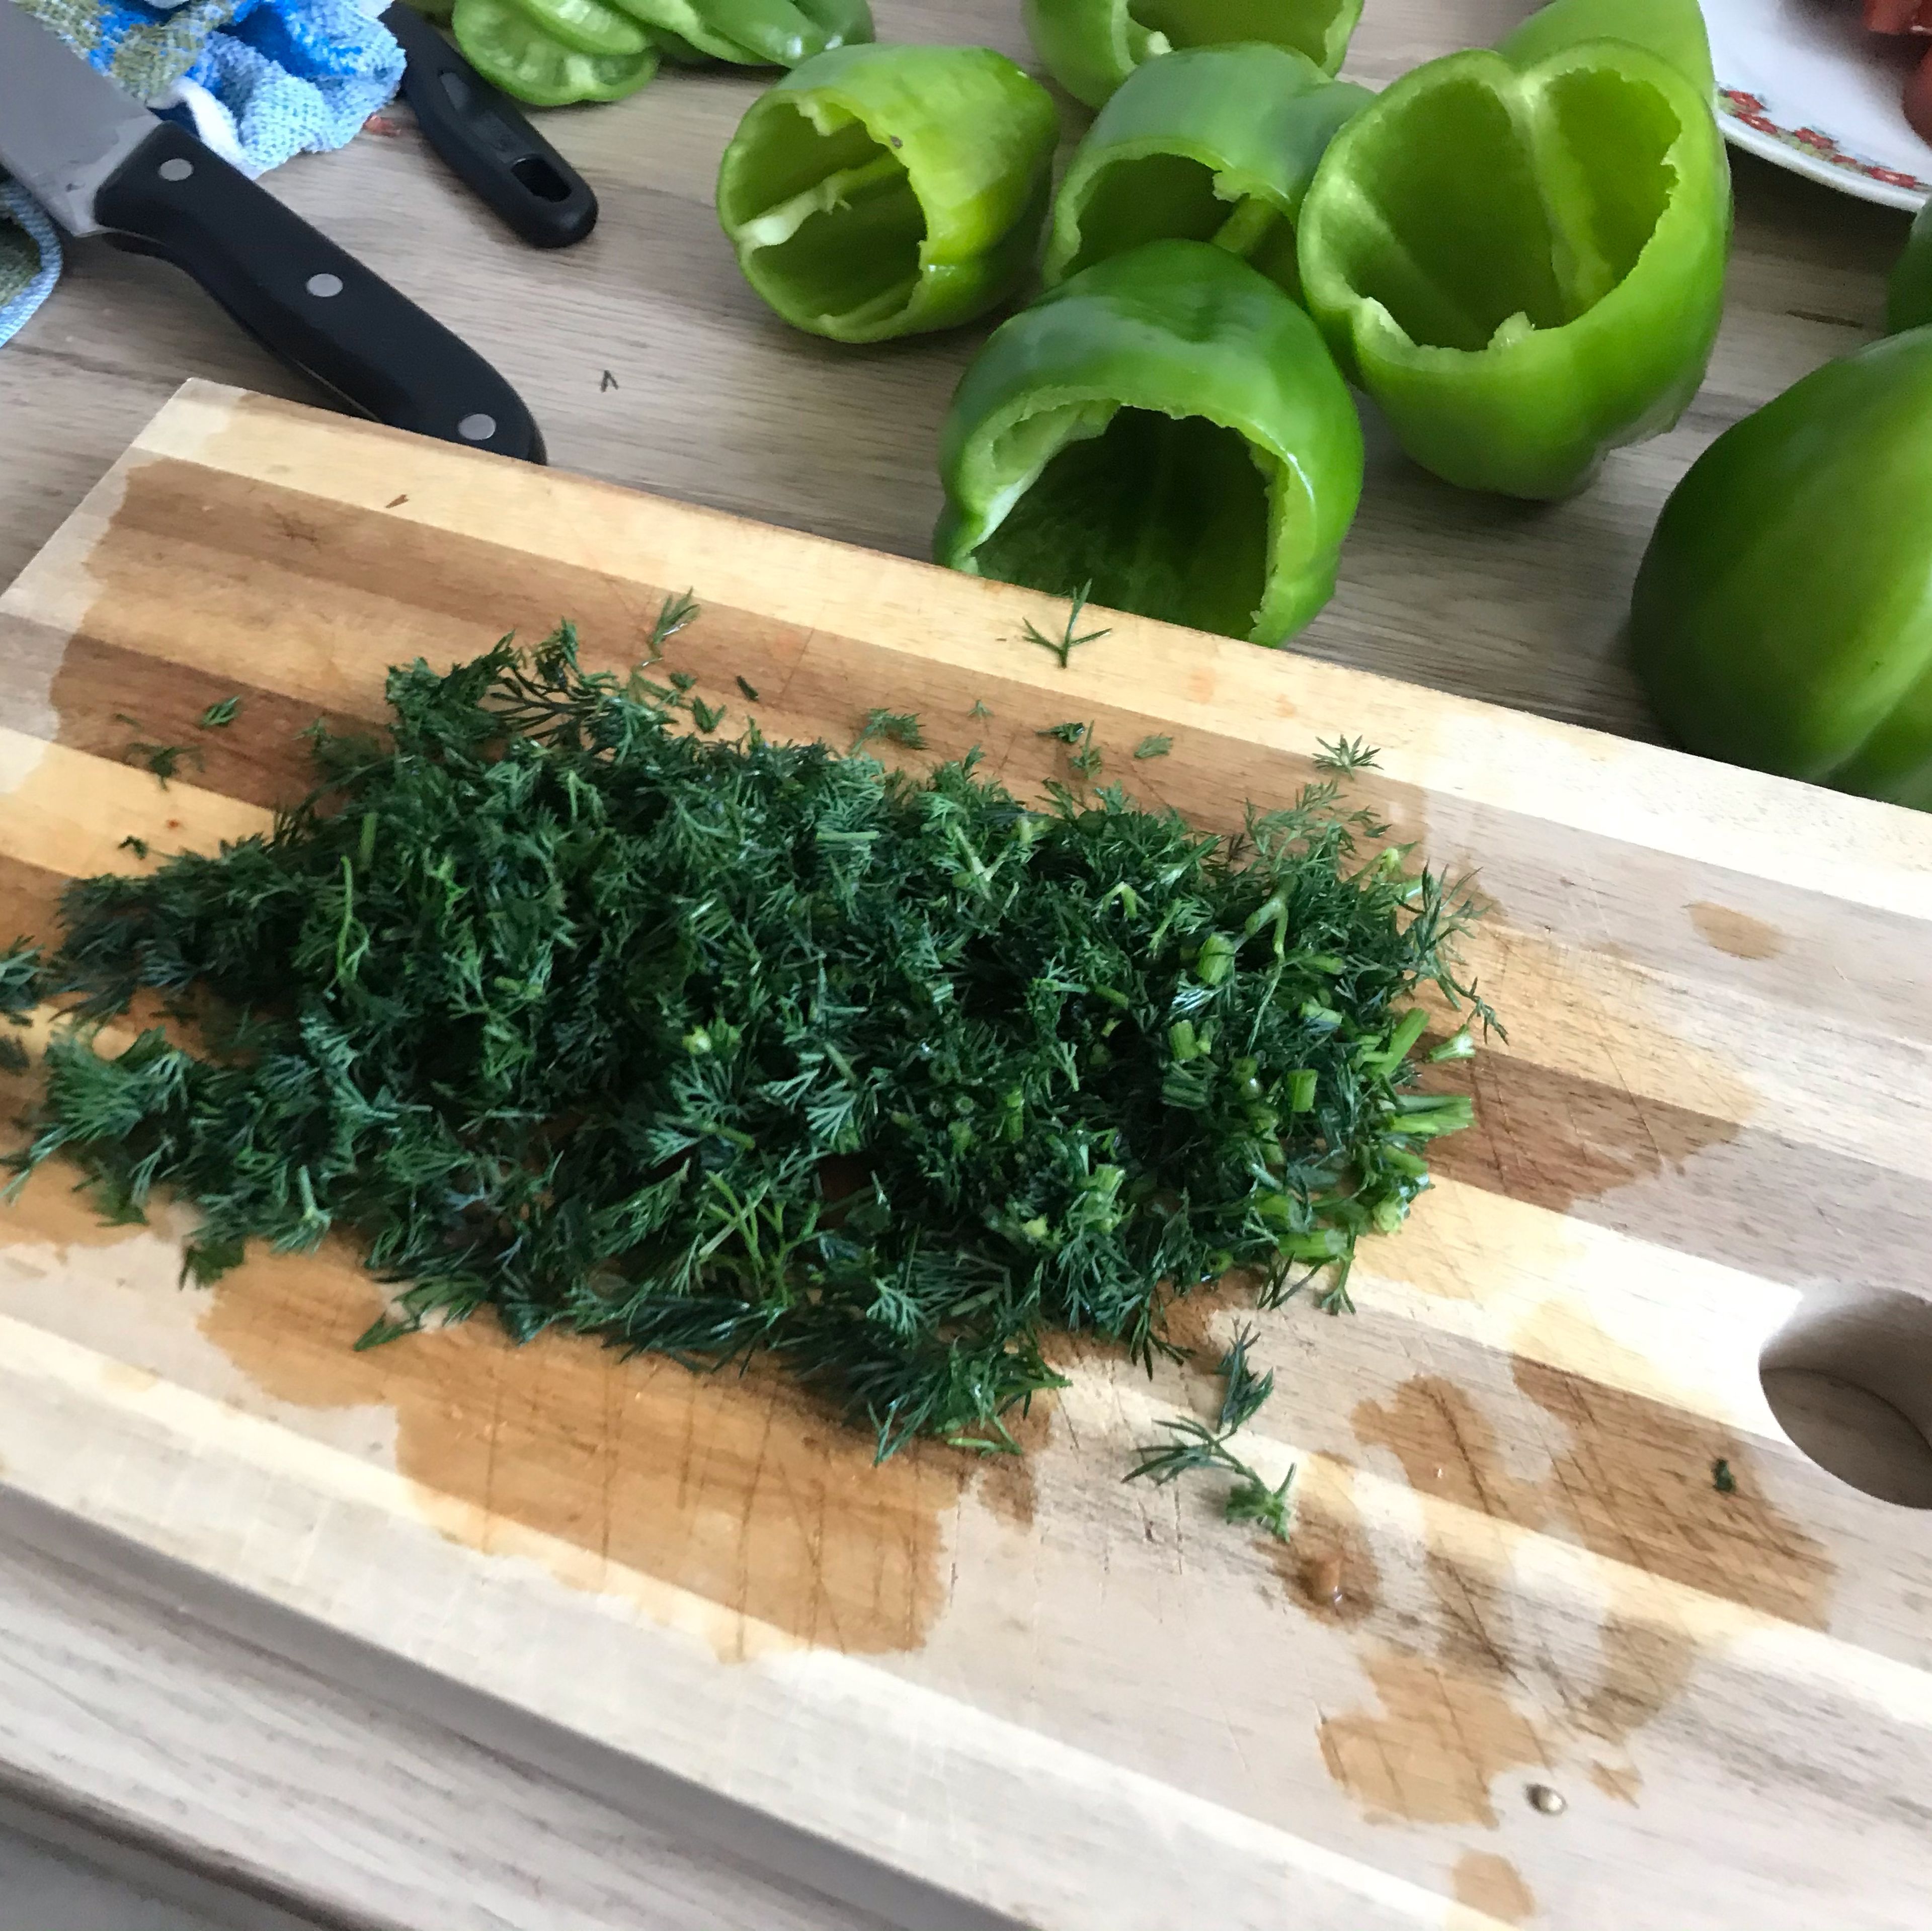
(716, 402)
(1074, 1703)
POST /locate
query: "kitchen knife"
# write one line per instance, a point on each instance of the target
(100, 162)
(496, 153)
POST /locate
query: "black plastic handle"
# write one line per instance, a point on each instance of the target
(306, 301)
(481, 133)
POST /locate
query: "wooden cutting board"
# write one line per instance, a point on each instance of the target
(1090, 1706)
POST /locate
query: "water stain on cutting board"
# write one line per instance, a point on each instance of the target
(1493, 1887)
(1735, 932)
(1328, 1565)
(1629, 1478)
(1551, 1135)
(741, 1489)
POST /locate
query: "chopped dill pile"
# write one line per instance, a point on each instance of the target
(717, 1047)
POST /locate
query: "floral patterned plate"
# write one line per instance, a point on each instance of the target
(1801, 82)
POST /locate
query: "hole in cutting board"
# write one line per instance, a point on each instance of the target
(1850, 1379)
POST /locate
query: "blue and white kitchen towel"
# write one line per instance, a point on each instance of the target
(258, 80)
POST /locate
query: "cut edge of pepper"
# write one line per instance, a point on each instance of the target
(1515, 89)
(788, 219)
(1239, 232)
(1294, 584)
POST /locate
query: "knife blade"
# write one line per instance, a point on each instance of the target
(100, 162)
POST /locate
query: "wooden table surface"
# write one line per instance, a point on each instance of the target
(649, 362)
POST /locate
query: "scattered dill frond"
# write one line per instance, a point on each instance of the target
(219, 716)
(138, 846)
(673, 613)
(1155, 746)
(1195, 1446)
(1083, 754)
(1246, 1391)
(164, 760)
(1346, 754)
(22, 979)
(1064, 645)
(981, 709)
(563, 1011)
(899, 727)
(706, 716)
(750, 690)
(1722, 1480)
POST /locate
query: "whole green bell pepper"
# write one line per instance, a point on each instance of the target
(1783, 615)
(1909, 298)
(1213, 144)
(1166, 430)
(880, 191)
(1524, 264)
(1090, 46)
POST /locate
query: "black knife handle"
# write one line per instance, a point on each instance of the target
(498, 156)
(306, 300)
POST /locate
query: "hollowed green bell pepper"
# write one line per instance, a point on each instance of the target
(1090, 46)
(1673, 29)
(1524, 264)
(752, 33)
(511, 49)
(1783, 615)
(550, 52)
(884, 191)
(1166, 428)
(1211, 144)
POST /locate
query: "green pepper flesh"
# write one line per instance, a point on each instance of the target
(883, 191)
(1783, 616)
(1212, 144)
(1166, 426)
(512, 51)
(1090, 46)
(1524, 267)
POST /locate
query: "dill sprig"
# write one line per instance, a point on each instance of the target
(1245, 1391)
(1064, 645)
(673, 613)
(899, 727)
(1195, 1446)
(1345, 755)
(220, 716)
(164, 760)
(717, 1047)
(1156, 744)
